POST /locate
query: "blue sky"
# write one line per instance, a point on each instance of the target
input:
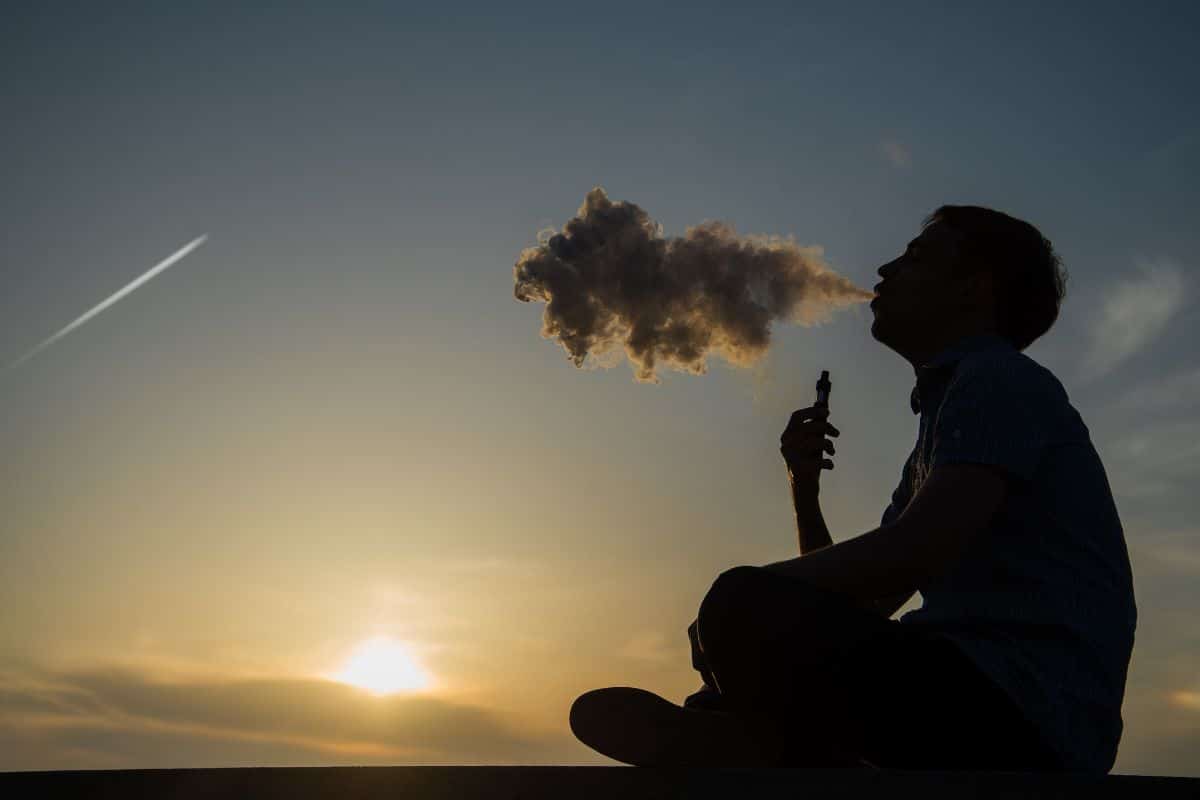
(338, 391)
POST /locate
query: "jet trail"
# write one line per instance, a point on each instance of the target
(158, 268)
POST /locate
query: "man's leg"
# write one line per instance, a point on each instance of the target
(638, 727)
(707, 698)
(925, 705)
(839, 679)
(769, 641)
(773, 645)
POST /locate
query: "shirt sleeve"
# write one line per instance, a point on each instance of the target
(996, 412)
(900, 496)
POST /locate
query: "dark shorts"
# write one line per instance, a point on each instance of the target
(906, 696)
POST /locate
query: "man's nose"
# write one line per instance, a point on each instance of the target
(888, 268)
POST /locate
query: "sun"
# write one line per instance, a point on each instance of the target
(382, 666)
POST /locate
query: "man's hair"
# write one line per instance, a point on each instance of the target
(1028, 275)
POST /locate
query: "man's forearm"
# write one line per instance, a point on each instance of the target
(954, 506)
(867, 568)
(811, 530)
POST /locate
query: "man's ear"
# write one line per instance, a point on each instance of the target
(978, 290)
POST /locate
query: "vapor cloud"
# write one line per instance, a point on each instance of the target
(610, 281)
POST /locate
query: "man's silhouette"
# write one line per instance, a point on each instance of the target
(1003, 520)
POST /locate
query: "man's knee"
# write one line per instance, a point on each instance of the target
(729, 600)
(734, 584)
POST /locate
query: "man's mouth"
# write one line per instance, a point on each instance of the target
(878, 294)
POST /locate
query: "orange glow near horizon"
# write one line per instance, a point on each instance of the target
(383, 666)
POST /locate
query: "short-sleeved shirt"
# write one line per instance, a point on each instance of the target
(1042, 601)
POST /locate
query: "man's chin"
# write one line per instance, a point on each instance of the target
(883, 333)
(878, 330)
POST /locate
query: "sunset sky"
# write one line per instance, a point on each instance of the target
(330, 441)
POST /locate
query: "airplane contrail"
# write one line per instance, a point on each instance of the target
(155, 270)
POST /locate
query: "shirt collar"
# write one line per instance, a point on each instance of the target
(946, 360)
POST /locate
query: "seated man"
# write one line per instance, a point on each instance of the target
(1003, 520)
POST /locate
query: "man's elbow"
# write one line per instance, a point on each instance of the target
(954, 507)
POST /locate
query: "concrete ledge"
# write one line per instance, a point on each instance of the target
(583, 783)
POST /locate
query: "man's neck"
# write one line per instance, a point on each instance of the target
(922, 355)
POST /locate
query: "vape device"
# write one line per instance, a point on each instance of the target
(824, 387)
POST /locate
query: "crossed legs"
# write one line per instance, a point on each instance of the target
(843, 681)
(777, 648)
(762, 648)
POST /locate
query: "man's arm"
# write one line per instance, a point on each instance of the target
(804, 446)
(811, 530)
(955, 504)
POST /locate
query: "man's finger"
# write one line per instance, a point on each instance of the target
(805, 415)
(812, 412)
(805, 462)
(809, 448)
(803, 439)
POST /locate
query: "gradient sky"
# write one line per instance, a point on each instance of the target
(333, 421)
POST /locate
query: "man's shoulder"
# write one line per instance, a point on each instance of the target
(1006, 368)
(1024, 391)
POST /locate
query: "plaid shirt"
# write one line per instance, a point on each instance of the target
(1042, 602)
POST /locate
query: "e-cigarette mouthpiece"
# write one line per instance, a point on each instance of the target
(824, 387)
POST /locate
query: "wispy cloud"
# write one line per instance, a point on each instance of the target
(1170, 449)
(1153, 461)
(1169, 557)
(503, 565)
(897, 154)
(1133, 314)
(1165, 741)
(1185, 699)
(125, 718)
(652, 646)
(1178, 391)
(1167, 159)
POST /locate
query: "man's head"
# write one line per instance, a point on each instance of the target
(971, 270)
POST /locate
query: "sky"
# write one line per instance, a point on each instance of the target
(331, 434)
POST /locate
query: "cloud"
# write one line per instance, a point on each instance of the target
(499, 565)
(1180, 390)
(1162, 732)
(1162, 456)
(1187, 700)
(652, 646)
(122, 718)
(1169, 160)
(897, 154)
(1135, 312)
(1165, 554)
(1180, 557)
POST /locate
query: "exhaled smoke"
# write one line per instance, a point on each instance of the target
(611, 279)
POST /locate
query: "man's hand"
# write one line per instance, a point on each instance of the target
(803, 446)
